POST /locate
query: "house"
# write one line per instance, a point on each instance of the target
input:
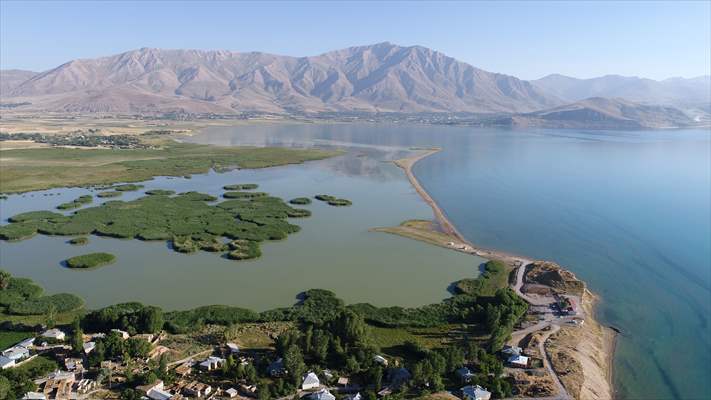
(311, 381)
(6, 363)
(277, 368)
(322, 394)
(398, 376)
(518, 361)
(475, 393)
(159, 394)
(16, 353)
(464, 374)
(248, 390)
(197, 389)
(85, 386)
(231, 392)
(59, 384)
(233, 348)
(212, 363)
(381, 360)
(27, 343)
(122, 334)
(343, 381)
(184, 369)
(34, 396)
(88, 347)
(73, 364)
(512, 350)
(55, 334)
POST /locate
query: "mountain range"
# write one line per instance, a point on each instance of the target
(383, 77)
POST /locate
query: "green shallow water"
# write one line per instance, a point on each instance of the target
(334, 250)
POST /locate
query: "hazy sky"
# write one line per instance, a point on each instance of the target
(525, 39)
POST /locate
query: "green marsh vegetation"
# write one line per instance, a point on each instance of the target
(187, 220)
(90, 260)
(333, 201)
(21, 296)
(160, 192)
(108, 194)
(79, 241)
(43, 168)
(300, 201)
(129, 187)
(241, 186)
(243, 195)
(76, 203)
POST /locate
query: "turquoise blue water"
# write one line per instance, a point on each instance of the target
(628, 212)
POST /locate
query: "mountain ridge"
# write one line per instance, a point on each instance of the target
(378, 78)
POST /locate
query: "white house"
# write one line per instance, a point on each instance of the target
(197, 389)
(6, 363)
(34, 396)
(122, 334)
(311, 381)
(381, 360)
(322, 394)
(231, 392)
(27, 343)
(159, 394)
(54, 334)
(512, 350)
(16, 353)
(234, 349)
(475, 393)
(212, 363)
(518, 361)
(88, 347)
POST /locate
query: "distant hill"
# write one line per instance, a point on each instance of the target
(694, 92)
(11, 78)
(603, 113)
(381, 77)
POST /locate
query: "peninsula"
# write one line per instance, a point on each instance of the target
(560, 327)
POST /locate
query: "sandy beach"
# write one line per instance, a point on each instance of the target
(587, 350)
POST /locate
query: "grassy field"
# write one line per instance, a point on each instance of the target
(8, 339)
(419, 230)
(43, 168)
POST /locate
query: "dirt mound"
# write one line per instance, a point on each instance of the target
(552, 275)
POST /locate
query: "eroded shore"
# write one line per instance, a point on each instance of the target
(578, 350)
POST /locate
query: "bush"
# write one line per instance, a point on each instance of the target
(76, 203)
(324, 197)
(184, 321)
(340, 203)
(133, 317)
(300, 201)
(90, 260)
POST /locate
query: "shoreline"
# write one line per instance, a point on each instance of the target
(607, 336)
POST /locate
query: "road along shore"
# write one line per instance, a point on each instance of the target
(581, 354)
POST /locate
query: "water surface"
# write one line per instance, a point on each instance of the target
(628, 212)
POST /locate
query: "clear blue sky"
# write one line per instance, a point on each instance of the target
(525, 39)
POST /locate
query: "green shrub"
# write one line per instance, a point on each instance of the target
(17, 232)
(300, 201)
(243, 250)
(90, 260)
(324, 197)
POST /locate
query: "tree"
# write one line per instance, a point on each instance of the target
(5, 386)
(294, 363)
(137, 348)
(97, 355)
(263, 392)
(4, 279)
(77, 337)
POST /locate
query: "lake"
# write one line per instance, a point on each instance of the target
(628, 212)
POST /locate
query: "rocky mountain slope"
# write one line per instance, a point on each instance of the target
(380, 77)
